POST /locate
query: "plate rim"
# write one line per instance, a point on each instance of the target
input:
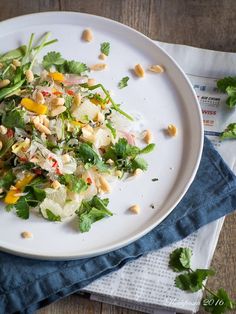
(138, 235)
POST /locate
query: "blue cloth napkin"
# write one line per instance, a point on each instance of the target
(27, 285)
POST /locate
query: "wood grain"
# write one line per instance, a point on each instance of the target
(207, 24)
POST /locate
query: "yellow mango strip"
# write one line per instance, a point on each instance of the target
(31, 105)
(26, 180)
(77, 123)
(57, 76)
(11, 197)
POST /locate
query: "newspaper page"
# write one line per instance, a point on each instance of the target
(147, 284)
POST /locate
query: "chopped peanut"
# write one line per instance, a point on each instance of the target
(102, 56)
(118, 173)
(77, 99)
(98, 67)
(4, 83)
(147, 136)
(100, 117)
(3, 130)
(46, 121)
(156, 68)
(135, 209)
(55, 112)
(104, 185)
(91, 82)
(137, 172)
(27, 235)
(55, 185)
(87, 35)
(42, 128)
(172, 130)
(13, 66)
(139, 70)
(88, 133)
(29, 76)
(16, 63)
(65, 158)
(39, 98)
(110, 162)
(58, 101)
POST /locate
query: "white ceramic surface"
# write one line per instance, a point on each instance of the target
(161, 99)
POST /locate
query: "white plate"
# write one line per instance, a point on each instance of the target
(161, 99)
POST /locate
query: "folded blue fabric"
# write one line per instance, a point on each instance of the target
(27, 285)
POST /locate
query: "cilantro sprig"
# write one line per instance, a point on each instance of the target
(105, 48)
(123, 82)
(92, 211)
(126, 156)
(229, 132)
(55, 59)
(228, 85)
(193, 280)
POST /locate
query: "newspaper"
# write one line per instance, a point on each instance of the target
(147, 284)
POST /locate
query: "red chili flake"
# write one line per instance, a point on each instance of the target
(58, 171)
(46, 94)
(70, 92)
(24, 159)
(89, 181)
(10, 133)
(55, 164)
(57, 93)
(37, 171)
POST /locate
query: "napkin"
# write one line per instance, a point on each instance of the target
(27, 285)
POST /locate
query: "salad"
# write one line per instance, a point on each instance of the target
(62, 138)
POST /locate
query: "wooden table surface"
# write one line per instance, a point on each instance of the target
(207, 24)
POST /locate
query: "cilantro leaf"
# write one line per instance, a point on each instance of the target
(89, 157)
(231, 100)
(9, 207)
(105, 48)
(7, 180)
(180, 259)
(225, 82)
(219, 303)
(87, 154)
(52, 58)
(193, 281)
(74, 183)
(125, 156)
(51, 216)
(64, 66)
(185, 258)
(92, 211)
(139, 163)
(22, 208)
(123, 82)
(14, 118)
(229, 132)
(72, 67)
(87, 219)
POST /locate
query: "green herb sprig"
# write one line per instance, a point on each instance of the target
(229, 132)
(105, 48)
(193, 280)
(123, 82)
